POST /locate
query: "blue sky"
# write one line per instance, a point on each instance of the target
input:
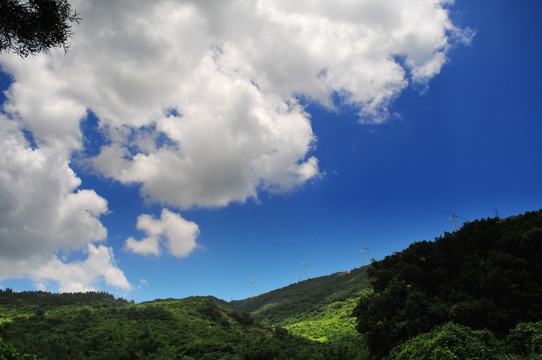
(380, 155)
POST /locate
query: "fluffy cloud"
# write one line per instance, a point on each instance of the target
(81, 275)
(230, 140)
(42, 213)
(179, 234)
(198, 102)
(199, 98)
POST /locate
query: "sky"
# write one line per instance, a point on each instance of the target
(189, 147)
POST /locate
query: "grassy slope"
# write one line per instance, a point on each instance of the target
(318, 309)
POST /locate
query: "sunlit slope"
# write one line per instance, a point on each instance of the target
(319, 308)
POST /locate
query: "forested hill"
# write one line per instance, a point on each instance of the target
(188, 329)
(282, 303)
(475, 293)
(98, 326)
(31, 300)
(319, 308)
(487, 276)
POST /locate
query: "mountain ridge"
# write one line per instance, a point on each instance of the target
(472, 283)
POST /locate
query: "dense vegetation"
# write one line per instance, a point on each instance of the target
(8, 352)
(97, 326)
(447, 342)
(453, 341)
(30, 300)
(472, 294)
(319, 309)
(487, 275)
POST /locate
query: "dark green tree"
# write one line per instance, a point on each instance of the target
(487, 275)
(33, 26)
(526, 339)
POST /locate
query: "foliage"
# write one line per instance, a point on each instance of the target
(486, 275)
(98, 326)
(33, 26)
(468, 294)
(318, 309)
(526, 339)
(28, 303)
(449, 341)
(453, 341)
(8, 352)
(332, 321)
(192, 328)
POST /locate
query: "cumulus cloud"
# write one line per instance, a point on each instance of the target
(42, 212)
(41, 209)
(179, 234)
(219, 82)
(81, 275)
(199, 103)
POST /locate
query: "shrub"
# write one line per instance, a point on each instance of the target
(526, 339)
(449, 341)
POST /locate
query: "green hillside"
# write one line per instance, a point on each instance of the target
(192, 328)
(481, 284)
(475, 293)
(319, 309)
(28, 303)
(98, 326)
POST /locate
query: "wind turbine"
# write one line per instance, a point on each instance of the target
(363, 249)
(251, 282)
(305, 269)
(453, 218)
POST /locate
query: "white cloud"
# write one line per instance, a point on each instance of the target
(42, 212)
(81, 275)
(231, 141)
(198, 101)
(41, 209)
(231, 69)
(38, 100)
(179, 234)
(146, 246)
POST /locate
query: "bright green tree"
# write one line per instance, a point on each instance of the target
(8, 352)
(449, 342)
